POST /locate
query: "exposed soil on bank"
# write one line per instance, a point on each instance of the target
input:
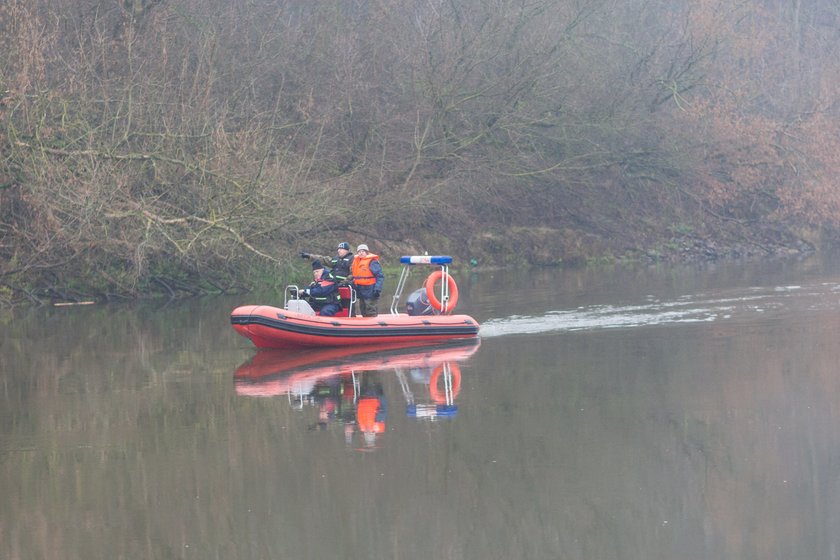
(629, 235)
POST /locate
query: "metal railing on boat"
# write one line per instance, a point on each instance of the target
(443, 261)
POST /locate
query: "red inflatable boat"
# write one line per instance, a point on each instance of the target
(270, 373)
(427, 318)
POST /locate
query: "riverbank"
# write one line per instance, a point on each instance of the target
(565, 246)
(515, 247)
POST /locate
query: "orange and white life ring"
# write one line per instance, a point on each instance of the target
(430, 291)
(440, 397)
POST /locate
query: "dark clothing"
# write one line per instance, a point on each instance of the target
(367, 303)
(339, 266)
(323, 295)
(330, 309)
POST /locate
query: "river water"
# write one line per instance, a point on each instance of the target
(617, 413)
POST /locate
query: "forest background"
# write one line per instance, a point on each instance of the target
(187, 146)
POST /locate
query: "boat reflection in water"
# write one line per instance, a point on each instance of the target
(346, 385)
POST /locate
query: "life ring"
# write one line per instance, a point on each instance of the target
(430, 291)
(437, 396)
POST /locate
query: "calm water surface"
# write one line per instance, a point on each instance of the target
(636, 413)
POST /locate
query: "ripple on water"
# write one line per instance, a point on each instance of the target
(696, 308)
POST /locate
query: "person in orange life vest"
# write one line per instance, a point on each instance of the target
(370, 412)
(370, 419)
(322, 293)
(367, 280)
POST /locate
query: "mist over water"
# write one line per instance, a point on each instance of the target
(617, 414)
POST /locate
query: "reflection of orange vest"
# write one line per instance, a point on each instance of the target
(361, 270)
(366, 415)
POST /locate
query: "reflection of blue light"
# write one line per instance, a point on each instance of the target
(431, 411)
(448, 410)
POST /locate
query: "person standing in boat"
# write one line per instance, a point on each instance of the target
(367, 280)
(339, 265)
(371, 410)
(370, 418)
(322, 293)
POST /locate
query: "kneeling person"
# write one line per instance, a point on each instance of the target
(322, 293)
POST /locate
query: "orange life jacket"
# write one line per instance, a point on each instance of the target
(366, 410)
(361, 270)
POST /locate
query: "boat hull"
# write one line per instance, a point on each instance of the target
(271, 373)
(273, 327)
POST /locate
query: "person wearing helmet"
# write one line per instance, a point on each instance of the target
(367, 280)
(339, 265)
(322, 293)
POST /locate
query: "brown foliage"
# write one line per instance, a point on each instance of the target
(189, 144)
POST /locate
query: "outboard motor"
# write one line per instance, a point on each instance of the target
(418, 303)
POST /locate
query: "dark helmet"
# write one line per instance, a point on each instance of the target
(316, 265)
(344, 245)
